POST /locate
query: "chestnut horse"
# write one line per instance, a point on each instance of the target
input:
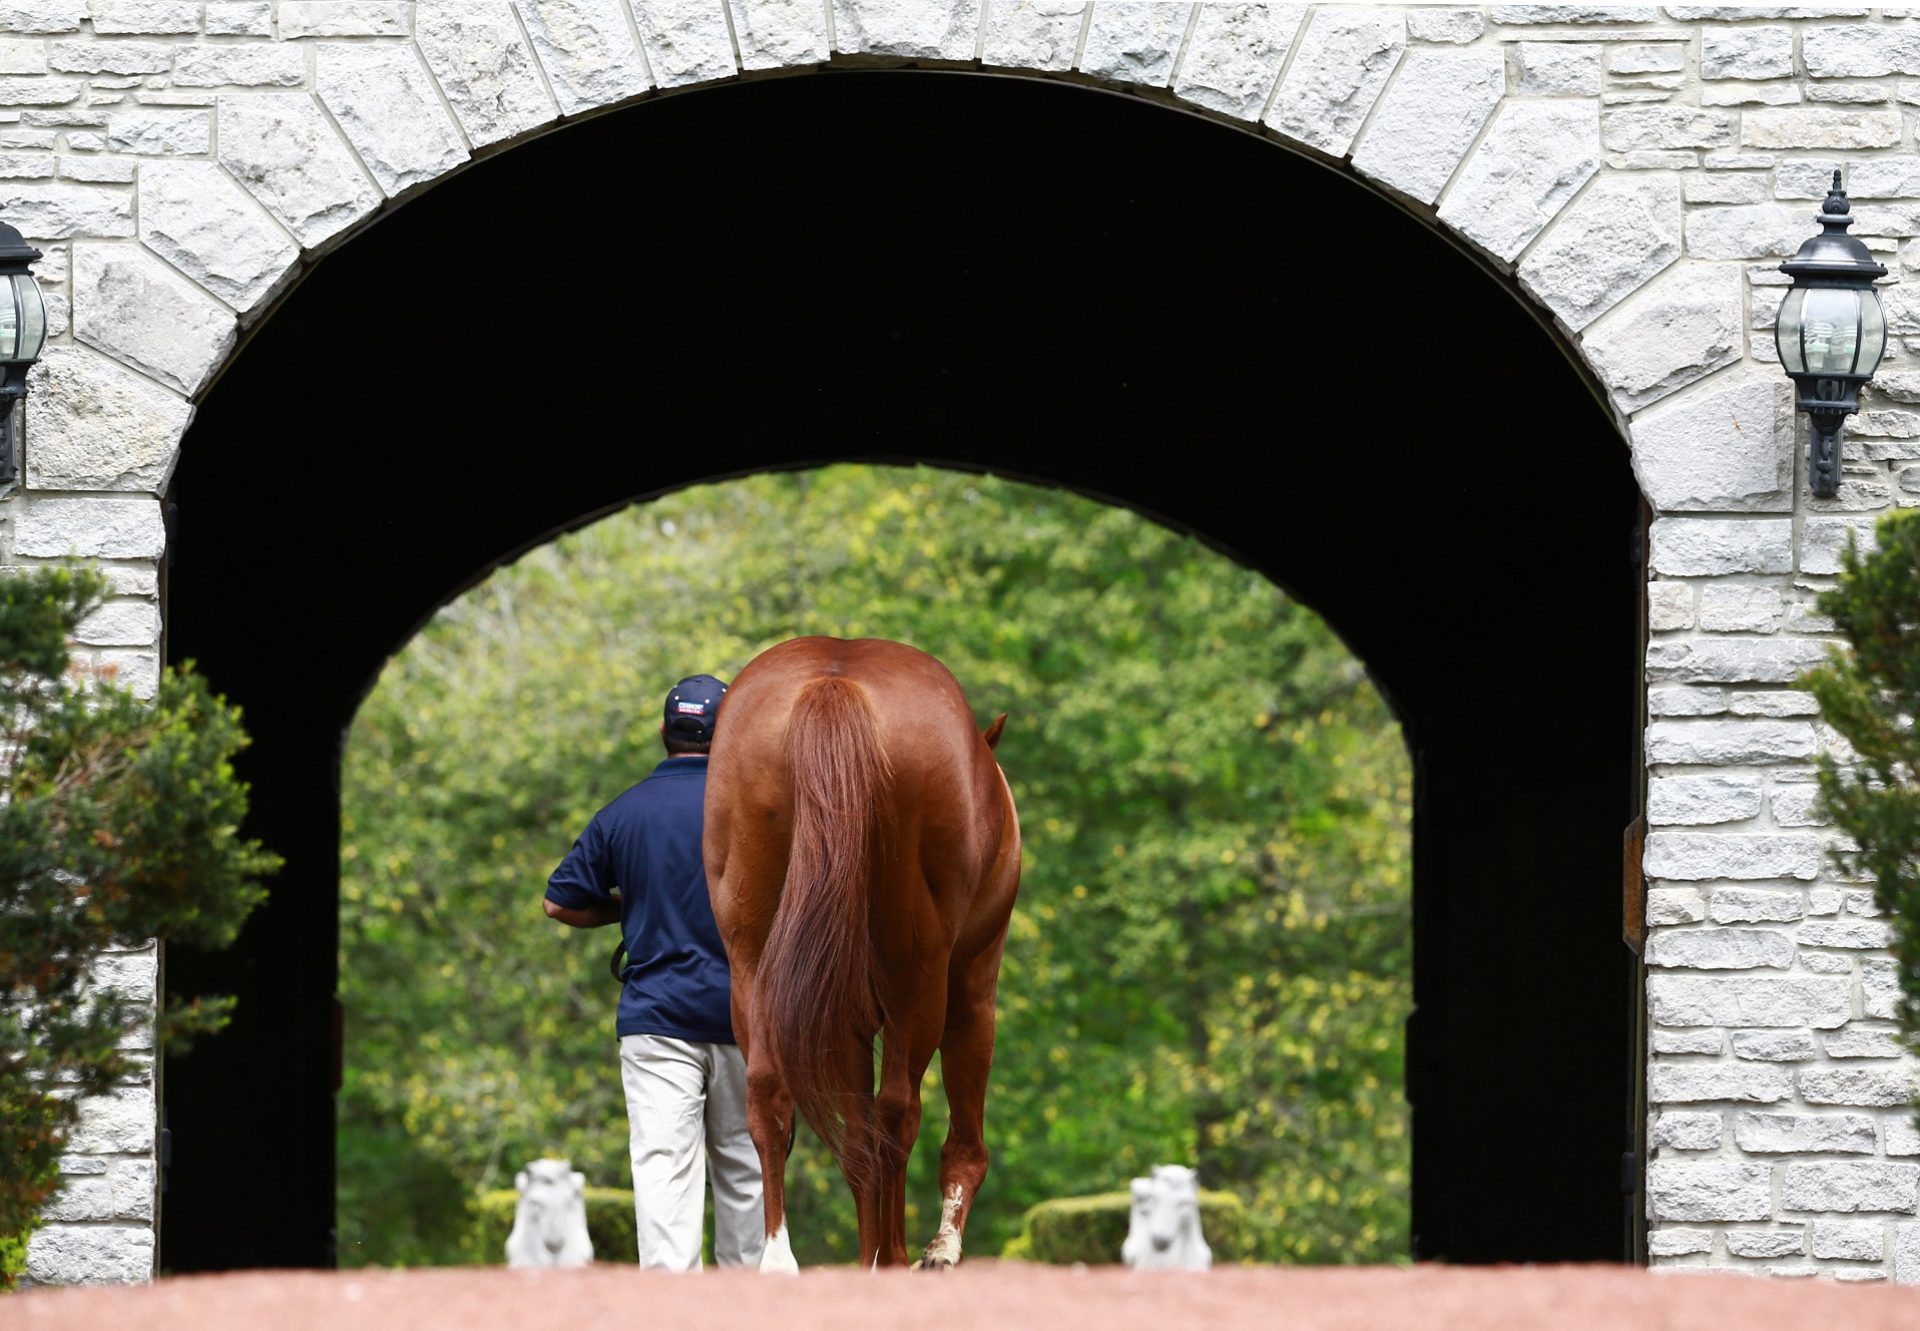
(863, 854)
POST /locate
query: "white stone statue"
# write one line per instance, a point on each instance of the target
(1163, 1233)
(550, 1222)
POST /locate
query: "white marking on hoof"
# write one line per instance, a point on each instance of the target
(777, 1257)
(945, 1248)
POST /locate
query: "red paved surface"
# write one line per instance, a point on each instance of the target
(995, 1296)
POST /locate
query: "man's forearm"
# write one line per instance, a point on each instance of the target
(588, 917)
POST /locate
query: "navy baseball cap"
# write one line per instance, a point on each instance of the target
(691, 707)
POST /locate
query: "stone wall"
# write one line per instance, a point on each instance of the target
(1641, 170)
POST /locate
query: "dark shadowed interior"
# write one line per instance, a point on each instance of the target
(1035, 279)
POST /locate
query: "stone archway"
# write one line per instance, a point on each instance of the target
(1621, 168)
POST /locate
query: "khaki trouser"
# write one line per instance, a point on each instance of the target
(686, 1100)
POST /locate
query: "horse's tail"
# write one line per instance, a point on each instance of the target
(818, 965)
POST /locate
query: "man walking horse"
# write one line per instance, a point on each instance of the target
(862, 854)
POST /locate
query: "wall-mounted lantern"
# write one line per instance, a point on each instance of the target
(1830, 333)
(23, 332)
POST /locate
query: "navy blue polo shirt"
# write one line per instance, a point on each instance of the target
(646, 846)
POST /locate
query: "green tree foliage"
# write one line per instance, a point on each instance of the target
(1210, 962)
(1870, 694)
(119, 823)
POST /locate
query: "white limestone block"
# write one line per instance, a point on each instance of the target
(686, 40)
(1134, 41)
(587, 50)
(1753, 231)
(1699, 1041)
(484, 66)
(1557, 69)
(139, 674)
(239, 65)
(775, 34)
(1797, 806)
(1342, 63)
(122, 1190)
(1647, 58)
(91, 528)
(1860, 50)
(1720, 950)
(1879, 988)
(54, 210)
(92, 425)
(42, 16)
(1767, 1242)
(1638, 128)
(240, 18)
(1850, 1240)
(1674, 905)
(1679, 1242)
(120, 624)
(1824, 541)
(136, 309)
(144, 17)
(1729, 743)
(1746, 53)
(283, 151)
(123, 1121)
(155, 131)
(1233, 56)
(1733, 660)
(1681, 327)
(134, 976)
(94, 57)
(1669, 606)
(1685, 699)
(1557, 14)
(910, 29)
(1693, 856)
(91, 1254)
(384, 103)
(1884, 178)
(194, 215)
(35, 91)
(1850, 1185)
(1824, 1002)
(1747, 905)
(1455, 27)
(1738, 608)
(1898, 1134)
(1532, 160)
(1861, 934)
(1709, 1190)
(1727, 449)
(1619, 234)
(1773, 1046)
(1429, 117)
(1695, 800)
(1819, 127)
(1857, 1041)
(344, 18)
(1691, 548)
(1877, 1085)
(1802, 1134)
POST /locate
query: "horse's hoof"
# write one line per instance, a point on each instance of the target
(933, 1264)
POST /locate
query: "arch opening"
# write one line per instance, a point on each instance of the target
(996, 275)
(1210, 961)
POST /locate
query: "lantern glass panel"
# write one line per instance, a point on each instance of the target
(1830, 330)
(1786, 332)
(1873, 332)
(9, 323)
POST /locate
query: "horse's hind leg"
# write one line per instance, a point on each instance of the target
(770, 1124)
(856, 1076)
(966, 1055)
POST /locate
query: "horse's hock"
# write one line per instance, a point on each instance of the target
(1638, 171)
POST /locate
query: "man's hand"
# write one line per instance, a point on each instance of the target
(591, 917)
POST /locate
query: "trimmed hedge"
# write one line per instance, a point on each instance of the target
(1091, 1229)
(609, 1225)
